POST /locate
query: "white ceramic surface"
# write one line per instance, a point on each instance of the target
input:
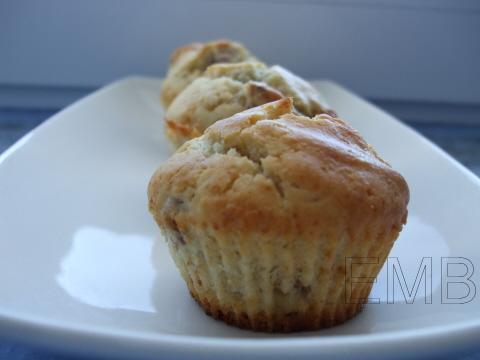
(83, 267)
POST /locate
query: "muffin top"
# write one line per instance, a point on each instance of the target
(227, 88)
(208, 99)
(190, 61)
(306, 99)
(267, 170)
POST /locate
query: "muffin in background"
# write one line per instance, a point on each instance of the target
(190, 61)
(227, 88)
(263, 210)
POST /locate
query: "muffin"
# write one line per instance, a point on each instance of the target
(190, 61)
(225, 89)
(262, 212)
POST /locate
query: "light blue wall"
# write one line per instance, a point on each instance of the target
(387, 49)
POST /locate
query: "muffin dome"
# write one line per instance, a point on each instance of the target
(190, 61)
(262, 211)
(225, 89)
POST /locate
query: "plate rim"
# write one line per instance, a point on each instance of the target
(444, 338)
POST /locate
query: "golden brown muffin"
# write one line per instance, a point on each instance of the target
(190, 61)
(262, 212)
(225, 89)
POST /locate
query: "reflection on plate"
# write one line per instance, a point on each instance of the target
(100, 263)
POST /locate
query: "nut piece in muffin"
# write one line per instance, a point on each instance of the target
(225, 89)
(190, 61)
(262, 212)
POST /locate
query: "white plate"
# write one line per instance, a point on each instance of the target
(77, 242)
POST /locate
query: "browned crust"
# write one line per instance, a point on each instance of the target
(291, 322)
(259, 93)
(178, 52)
(221, 43)
(198, 46)
(181, 129)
